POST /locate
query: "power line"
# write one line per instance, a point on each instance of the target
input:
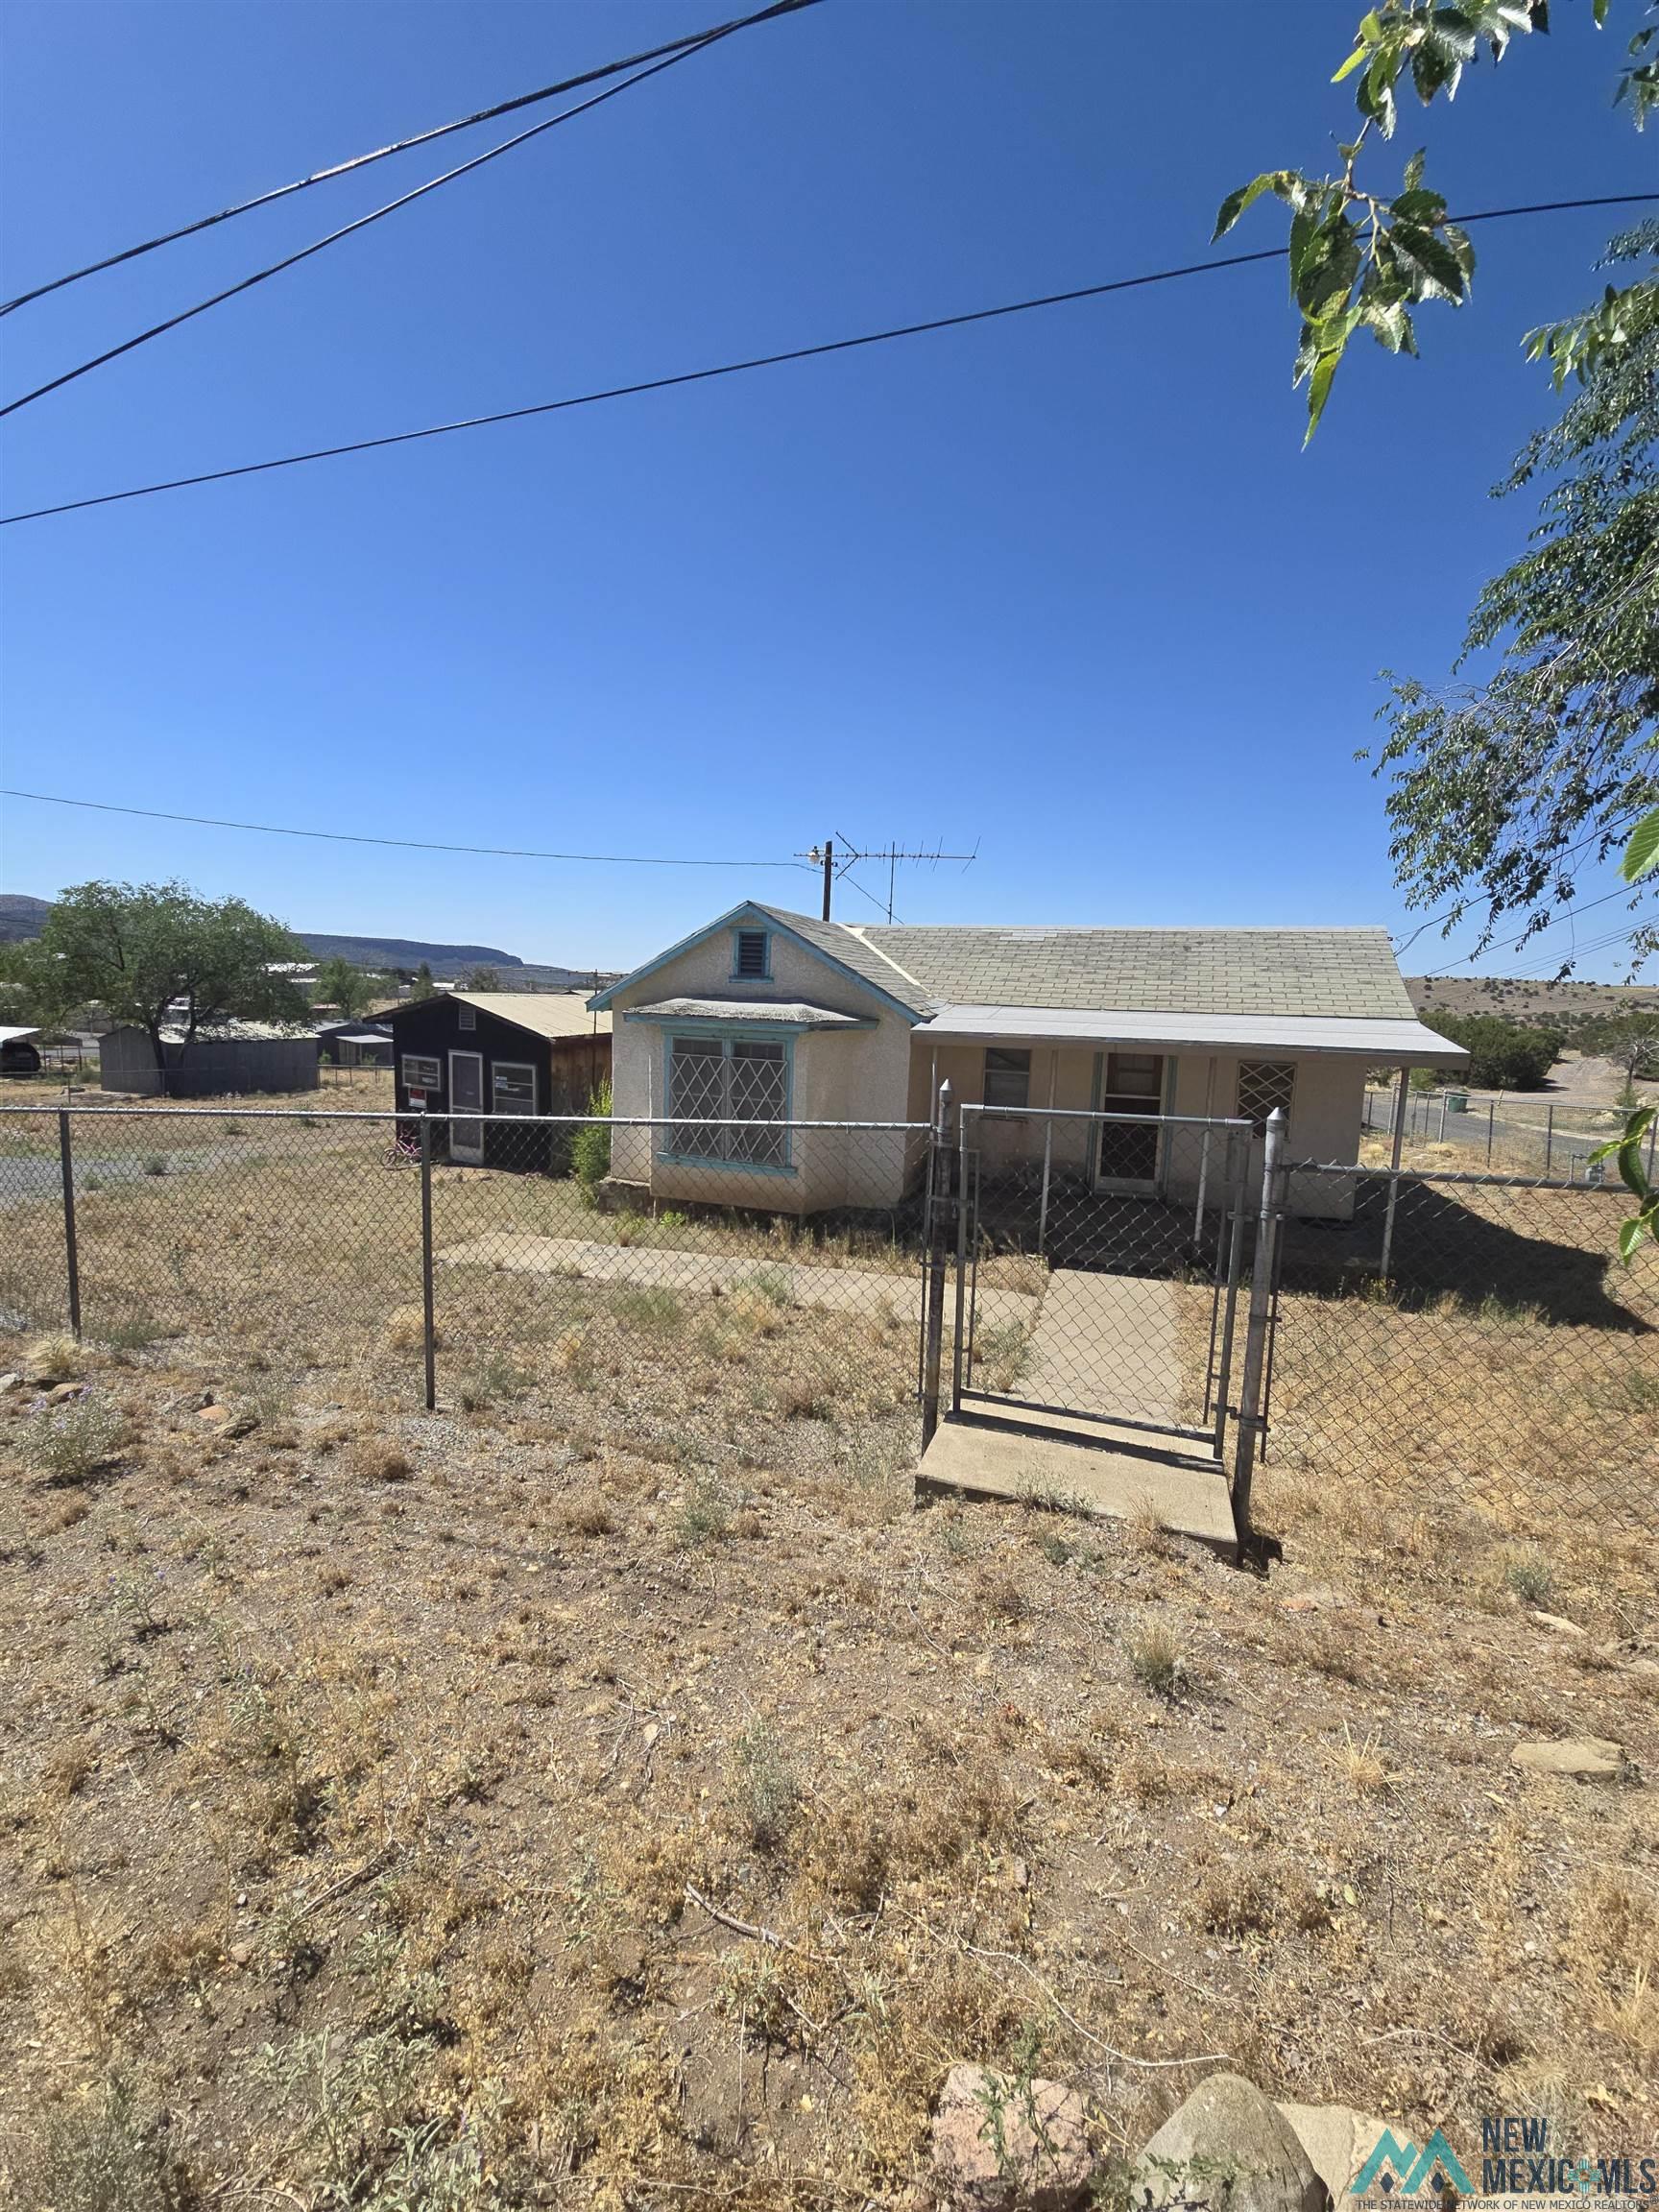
(1569, 914)
(390, 208)
(755, 361)
(403, 844)
(1454, 911)
(380, 153)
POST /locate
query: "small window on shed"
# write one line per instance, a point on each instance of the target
(1263, 1084)
(420, 1074)
(749, 955)
(469, 1015)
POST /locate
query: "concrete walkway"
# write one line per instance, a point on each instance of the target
(660, 1267)
(1106, 1344)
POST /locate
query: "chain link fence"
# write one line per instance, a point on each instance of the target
(265, 1241)
(1468, 1339)
(1436, 1336)
(1553, 1138)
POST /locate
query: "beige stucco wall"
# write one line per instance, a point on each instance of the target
(849, 1076)
(1325, 1114)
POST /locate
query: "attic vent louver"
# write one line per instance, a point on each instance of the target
(751, 953)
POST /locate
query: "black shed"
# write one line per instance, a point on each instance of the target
(482, 1053)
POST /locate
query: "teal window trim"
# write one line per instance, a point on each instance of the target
(731, 1033)
(740, 973)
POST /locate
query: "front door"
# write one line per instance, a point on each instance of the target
(1127, 1159)
(466, 1097)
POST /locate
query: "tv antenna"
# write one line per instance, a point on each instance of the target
(838, 855)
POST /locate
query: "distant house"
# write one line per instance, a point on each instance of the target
(360, 1043)
(234, 1060)
(488, 1053)
(767, 1016)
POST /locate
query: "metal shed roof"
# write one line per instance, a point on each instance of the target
(1395, 1043)
(556, 1014)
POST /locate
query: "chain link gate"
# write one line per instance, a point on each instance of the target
(1099, 1259)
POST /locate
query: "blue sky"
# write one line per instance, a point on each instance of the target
(1064, 585)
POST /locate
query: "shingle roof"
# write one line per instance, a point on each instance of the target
(1332, 973)
(784, 1012)
(848, 947)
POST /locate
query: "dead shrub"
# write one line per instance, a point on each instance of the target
(588, 1513)
(378, 1459)
(1235, 1901)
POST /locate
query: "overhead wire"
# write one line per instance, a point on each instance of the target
(390, 206)
(753, 362)
(490, 114)
(403, 844)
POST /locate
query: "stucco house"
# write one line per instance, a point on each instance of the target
(767, 1016)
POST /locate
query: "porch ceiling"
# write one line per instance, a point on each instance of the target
(1400, 1044)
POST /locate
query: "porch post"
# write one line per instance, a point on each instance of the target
(1204, 1155)
(1047, 1152)
(1402, 1099)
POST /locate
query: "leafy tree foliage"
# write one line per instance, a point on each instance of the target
(422, 986)
(1503, 794)
(482, 979)
(158, 956)
(1362, 260)
(1502, 1055)
(350, 989)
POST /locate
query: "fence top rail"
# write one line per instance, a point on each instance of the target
(1106, 1114)
(1383, 1173)
(327, 1116)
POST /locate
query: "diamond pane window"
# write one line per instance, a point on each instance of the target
(1263, 1084)
(716, 1084)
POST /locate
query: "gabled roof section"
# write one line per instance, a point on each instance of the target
(551, 1014)
(832, 941)
(1344, 973)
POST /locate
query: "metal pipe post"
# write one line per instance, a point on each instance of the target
(71, 1255)
(1235, 1268)
(1491, 1121)
(1402, 1104)
(1047, 1153)
(430, 1329)
(1256, 1331)
(939, 1178)
(1204, 1158)
(961, 1258)
(1549, 1135)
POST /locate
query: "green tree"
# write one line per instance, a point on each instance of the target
(422, 986)
(340, 984)
(1502, 1055)
(1502, 793)
(158, 956)
(1631, 1040)
(482, 979)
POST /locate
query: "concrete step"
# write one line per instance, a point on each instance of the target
(1084, 1467)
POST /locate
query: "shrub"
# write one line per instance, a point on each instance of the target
(67, 1443)
(762, 1785)
(1502, 1055)
(1155, 1661)
(591, 1147)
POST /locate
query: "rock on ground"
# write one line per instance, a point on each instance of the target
(1230, 2147)
(1336, 2140)
(999, 2143)
(1590, 1758)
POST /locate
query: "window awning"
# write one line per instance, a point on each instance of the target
(757, 1013)
(1396, 1044)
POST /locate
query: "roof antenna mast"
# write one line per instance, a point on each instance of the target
(837, 863)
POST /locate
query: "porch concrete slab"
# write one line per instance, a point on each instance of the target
(653, 1267)
(1106, 1343)
(1092, 1472)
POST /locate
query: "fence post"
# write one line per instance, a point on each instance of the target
(71, 1255)
(939, 1185)
(959, 1348)
(1236, 1166)
(1549, 1135)
(1491, 1119)
(428, 1330)
(1404, 1102)
(1256, 1331)
(1048, 1169)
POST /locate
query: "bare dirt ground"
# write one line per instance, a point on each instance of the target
(611, 1789)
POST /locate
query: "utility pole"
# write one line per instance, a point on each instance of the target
(825, 856)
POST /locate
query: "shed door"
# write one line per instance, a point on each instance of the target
(466, 1097)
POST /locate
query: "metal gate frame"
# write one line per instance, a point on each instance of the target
(1220, 1206)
